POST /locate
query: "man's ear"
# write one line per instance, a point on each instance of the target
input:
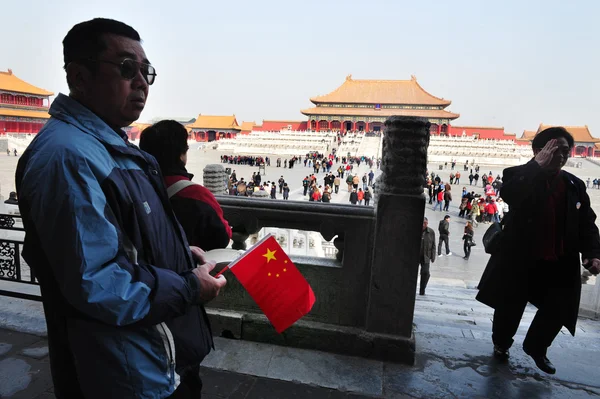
(78, 77)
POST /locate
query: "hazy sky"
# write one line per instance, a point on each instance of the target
(502, 63)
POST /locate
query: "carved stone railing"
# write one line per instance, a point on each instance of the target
(340, 284)
(15, 274)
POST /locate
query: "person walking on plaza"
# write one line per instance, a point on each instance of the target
(349, 180)
(371, 176)
(444, 230)
(336, 184)
(474, 215)
(457, 178)
(447, 198)
(355, 181)
(286, 191)
(365, 181)
(468, 241)
(427, 256)
(360, 195)
(353, 197)
(305, 185)
(280, 183)
(122, 292)
(551, 223)
(439, 199)
(367, 197)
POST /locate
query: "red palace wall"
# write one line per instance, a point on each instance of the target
(483, 133)
(20, 127)
(279, 125)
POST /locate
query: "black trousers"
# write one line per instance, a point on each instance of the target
(467, 248)
(545, 325)
(190, 386)
(443, 239)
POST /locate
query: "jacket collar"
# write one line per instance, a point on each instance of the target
(178, 170)
(73, 112)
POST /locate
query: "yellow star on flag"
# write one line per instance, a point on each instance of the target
(270, 255)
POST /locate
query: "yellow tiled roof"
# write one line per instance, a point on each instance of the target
(427, 113)
(10, 82)
(528, 135)
(381, 92)
(247, 126)
(215, 122)
(139, 126)
(579, 133)
(24, 113)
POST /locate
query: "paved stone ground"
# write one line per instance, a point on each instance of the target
(454, 360)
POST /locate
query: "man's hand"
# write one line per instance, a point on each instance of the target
(595, 265)
(209, 286)
(544, 157)
(198, 254)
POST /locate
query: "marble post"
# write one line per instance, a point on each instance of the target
(215, 179)
(399, 212)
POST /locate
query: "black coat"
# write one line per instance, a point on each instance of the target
(505, 277)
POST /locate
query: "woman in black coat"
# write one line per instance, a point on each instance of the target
(550, 223)
(468, 239)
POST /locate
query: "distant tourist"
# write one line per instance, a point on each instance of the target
(353, 197)
(15, 152)
(550, 227)
(444, 230)
(122, 290)
(367, 197)
(467, 238)
(427, 256)
(286, 191)
(12, 199)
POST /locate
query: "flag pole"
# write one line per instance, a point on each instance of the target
(222, 271)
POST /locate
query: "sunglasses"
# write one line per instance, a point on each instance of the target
(129, 68)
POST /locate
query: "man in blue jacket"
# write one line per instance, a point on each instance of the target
(121, 289)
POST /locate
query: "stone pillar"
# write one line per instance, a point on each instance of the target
(215, 179)
(399, 214)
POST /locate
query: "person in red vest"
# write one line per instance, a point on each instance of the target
(196, 208)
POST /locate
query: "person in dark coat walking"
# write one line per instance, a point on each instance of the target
(468, 239)
(427, 254)
(444, 230)
(550, 224)
(353, 197)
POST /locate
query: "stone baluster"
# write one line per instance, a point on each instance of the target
(399, 211)
(215, 179)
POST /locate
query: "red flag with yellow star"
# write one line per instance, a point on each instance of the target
(275, 284)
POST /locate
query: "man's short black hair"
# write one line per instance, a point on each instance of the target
(85, 40)
(446, 217)
(543, 137)
(166, 141)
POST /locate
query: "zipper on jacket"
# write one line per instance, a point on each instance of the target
(170, 351)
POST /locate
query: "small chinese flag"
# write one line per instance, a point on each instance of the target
(272, 280)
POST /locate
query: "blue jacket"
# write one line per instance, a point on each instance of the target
(121, 304)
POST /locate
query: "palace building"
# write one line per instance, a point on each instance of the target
(23, 107)
(364, 105)
(211, 128)
(585, 144)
